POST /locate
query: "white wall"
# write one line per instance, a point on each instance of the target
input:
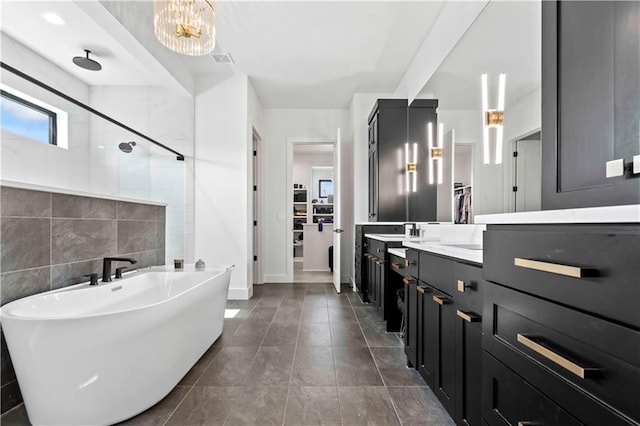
(222, 180)
(278, 125)
(303, 173)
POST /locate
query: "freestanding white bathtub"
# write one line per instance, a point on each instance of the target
(95, 355)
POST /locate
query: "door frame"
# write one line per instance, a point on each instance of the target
(291, 142)
(508, 199)
(258, 203)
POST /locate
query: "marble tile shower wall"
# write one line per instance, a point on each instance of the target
(50, 240)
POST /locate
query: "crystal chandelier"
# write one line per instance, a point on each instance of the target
(185, 26)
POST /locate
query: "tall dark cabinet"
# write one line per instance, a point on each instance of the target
(421, 204)
(392, 123)
(590, 102)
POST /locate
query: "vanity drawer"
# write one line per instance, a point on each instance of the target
(595, 268)
(581, 362)
(412, 262)
(438, 272)
(509, 400)
(468, 282)
(396, 263)
(376, 248)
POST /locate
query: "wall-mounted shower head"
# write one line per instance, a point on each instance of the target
(127, 147)
(86, 63)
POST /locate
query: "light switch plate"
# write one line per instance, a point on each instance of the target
(636, 164)
(615, 168)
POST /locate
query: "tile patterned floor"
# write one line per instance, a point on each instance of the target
(296, 354)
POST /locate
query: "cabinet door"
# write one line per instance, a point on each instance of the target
(411, 321)
(445, 348)
(373, 185)
(428, 338)
(590, 92)
(468, 367)
(372, 280)
(381, 288)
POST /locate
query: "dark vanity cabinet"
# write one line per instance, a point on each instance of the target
(444, 333)
(361, 262)
(392, 123)
(561, 324)
(590, 102)
(383, 282)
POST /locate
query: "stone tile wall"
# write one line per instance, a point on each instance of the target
(50, 240)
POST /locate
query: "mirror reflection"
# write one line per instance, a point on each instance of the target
(506, 38)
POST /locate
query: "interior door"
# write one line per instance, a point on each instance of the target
(528, 175)
(337, 230)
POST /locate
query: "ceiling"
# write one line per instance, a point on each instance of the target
(298, 54)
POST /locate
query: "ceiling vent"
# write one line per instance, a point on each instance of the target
(222, 58)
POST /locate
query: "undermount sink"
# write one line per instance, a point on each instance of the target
(464, 246)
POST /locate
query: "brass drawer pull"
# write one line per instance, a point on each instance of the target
(421, 289)
(554, 357)
(440, 300)
(408, 263)
(529, 424)
(553, 268)
(408, 281)
(468, 317)
(396, 265)
(462, 286)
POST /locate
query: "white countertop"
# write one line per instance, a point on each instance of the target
(397, 237)
(461, 250)
(400, 252)
(609, 214)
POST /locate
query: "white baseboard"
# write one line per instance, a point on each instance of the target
(240, 293)
(276, 278)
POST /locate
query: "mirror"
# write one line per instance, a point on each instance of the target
(506, 38)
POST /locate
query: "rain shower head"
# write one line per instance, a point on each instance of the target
(126, 147)
(86, 63)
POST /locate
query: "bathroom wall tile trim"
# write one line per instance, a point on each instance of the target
(49, 240)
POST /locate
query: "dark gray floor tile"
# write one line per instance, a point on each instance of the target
(315, 314)
(288, 314)
(389, 357)
(16, 416)
(315, 301)
(312, 405)
(295, 300)
(264, 314)
(271, 366)
(316, 288)
(250, 333)
(401, 376)
(347, 334)
(204, 406)
(270, 301)
(341, 314)
(229, 367)
(366, 406)
(355, 367)
(338, 300)
(313, 366)
(376, 336)
(366, 313)
(203, 363)
(419, 406)
(314, 334)
(259, 406)
(159, 413)
(281, 334)
(243, 304)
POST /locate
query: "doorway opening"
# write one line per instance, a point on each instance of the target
(463, 161)
(312, 212)
(526, 174)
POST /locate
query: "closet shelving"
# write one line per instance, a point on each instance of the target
(300, 216)
(462, 211)
(322, 211)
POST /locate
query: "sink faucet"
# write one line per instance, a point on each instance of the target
(413, 230)
(106, 266)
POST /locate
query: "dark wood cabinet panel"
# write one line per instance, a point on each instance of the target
(468, 366)
(422, 203)
(444, 380)
(411, 321)
(392, 124)
(590, 102)
(428, 336)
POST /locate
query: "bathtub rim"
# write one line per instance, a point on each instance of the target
(6, 314)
